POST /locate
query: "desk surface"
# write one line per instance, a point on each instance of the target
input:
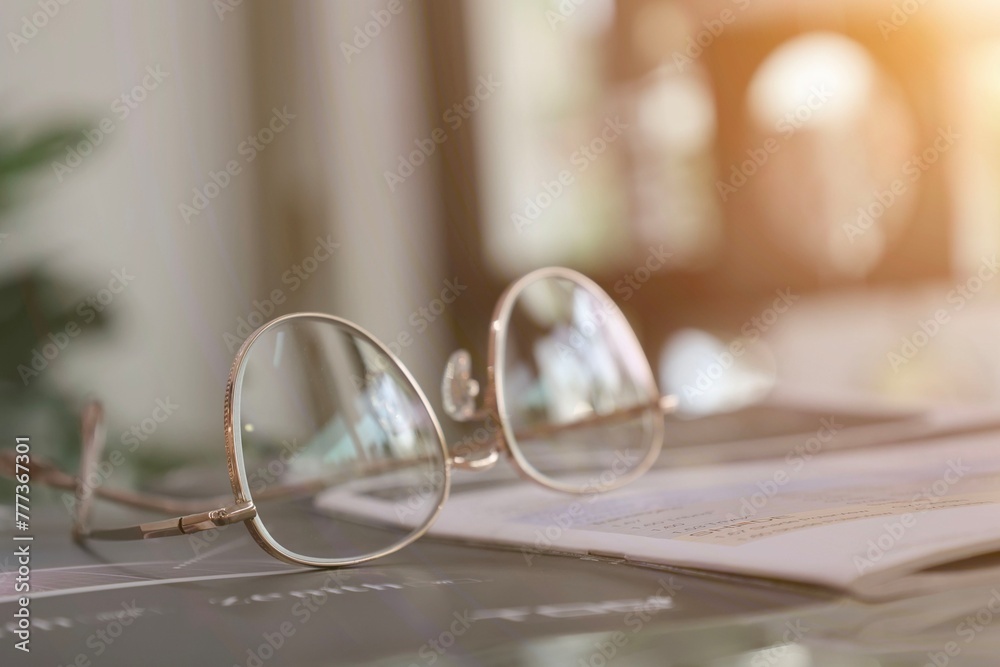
(161, 603)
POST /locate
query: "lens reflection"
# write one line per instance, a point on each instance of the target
(576, 387)
(341, 456)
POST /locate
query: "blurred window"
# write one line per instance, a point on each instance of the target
(836, 136)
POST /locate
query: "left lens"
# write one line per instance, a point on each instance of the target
(574, 388)
(338, 448)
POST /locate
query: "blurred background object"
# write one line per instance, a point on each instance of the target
(777, 192)
(29, 296)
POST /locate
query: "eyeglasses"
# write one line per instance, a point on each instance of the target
(335, 456)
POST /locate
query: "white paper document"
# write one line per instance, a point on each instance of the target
(877, 522)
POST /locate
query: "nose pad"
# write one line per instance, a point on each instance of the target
(458, 388)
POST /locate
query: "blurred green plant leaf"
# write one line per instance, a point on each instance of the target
(18, 158)
(34, 305)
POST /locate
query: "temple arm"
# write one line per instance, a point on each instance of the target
(193, 516)
(664, 405)
(182, 525)
(194, 519)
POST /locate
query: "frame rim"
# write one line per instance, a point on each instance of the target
(495, 400)
(237, 469)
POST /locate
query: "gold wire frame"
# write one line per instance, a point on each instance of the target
(194, 518)
(234, 450)
(494, 403)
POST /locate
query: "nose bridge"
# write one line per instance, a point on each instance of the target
(460, 390)
(483, 448)
(468, 462)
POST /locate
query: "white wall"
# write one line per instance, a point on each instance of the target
(322, 175)
(359, 107)
(120, 207)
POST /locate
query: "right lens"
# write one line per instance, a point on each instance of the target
(574, 385)
(339, 450)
